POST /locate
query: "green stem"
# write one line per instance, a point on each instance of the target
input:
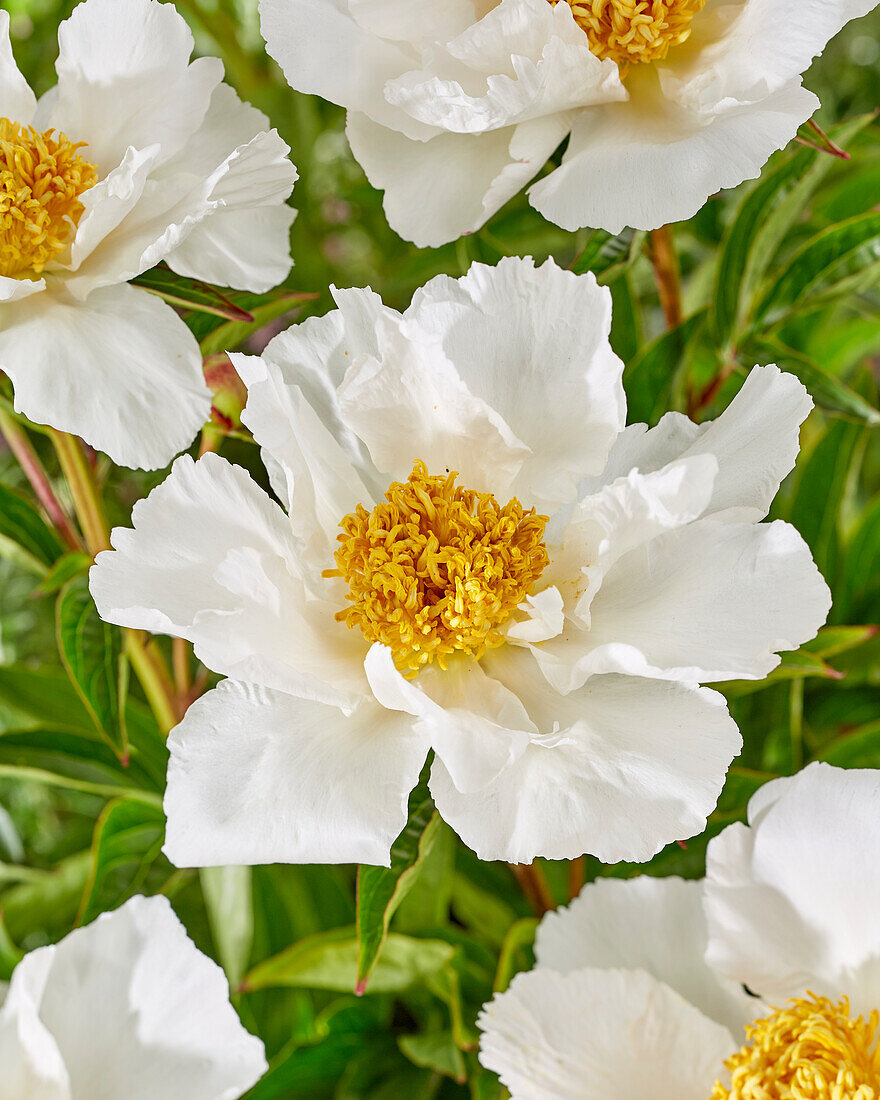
(664, 260)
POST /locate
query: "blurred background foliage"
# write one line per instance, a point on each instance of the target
(785, 269)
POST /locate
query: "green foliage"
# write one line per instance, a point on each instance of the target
(785, 269)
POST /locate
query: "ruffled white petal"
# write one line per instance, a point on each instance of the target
(120, 369)
(124, 79)
(475, 724)
(260, 776)
(212, 558)
(439, 190)
(533, 344)
(792, 898)
(651, 924)
(137, 1011)
(748, 50)
(618, 769)
(755, 441)
(33, 1068)
(17, 99)
(407, 401)
(310, 471)
(647, 162)
(600, 1035)
(709, 601)
(353, 72)
(524, 59)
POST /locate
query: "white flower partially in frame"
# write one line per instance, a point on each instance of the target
(134, 157)
(453, 107)
(760, 982)
(125, 1007)
(473, 557)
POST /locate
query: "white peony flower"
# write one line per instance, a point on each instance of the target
(136, 156)
(535, 596)
(644, 987)
(127, 1007)
(454, 106)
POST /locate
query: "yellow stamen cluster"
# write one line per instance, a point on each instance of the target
(41, 180)
(810, 1050)
(435, 569)
(632, 32)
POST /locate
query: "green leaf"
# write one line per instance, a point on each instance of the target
(380, 890)
(41, 697)
(764, 218)
(128, 837)
(844, 258)
(72, 760)
(228, 899)
(800, 665)
(861, 575)
(329, 960)
(832, 640)
(65, 569)
(47, 902)
(648, 377)
(520, 936)
(10, 956)
(22, 526)
(91, 651)
(828, 391)
(265, 308)
(435, 1050)
(186, 293)
(858, 748)
(607, 255)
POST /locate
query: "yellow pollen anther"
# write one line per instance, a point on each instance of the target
(436, 569)
(41, 180)
(631, 32)
(810, 1050)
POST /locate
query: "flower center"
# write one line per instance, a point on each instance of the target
(41, 180)
(435, 569)
(810, 1050)
(631, 32)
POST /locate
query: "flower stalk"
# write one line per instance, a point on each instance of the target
(19, 444)
(664, 260)
(534, 885)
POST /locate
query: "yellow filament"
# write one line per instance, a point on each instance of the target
(810, 1050)
(632, 32)
(41, 180)
(435, 569)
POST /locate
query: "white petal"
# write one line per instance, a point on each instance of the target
(709, 601)
(619, 769)
(124, 79)
(413, 20)
(33, 1068)
(755, 441)
(533, 343)
(260, 776)
(245, 241)
(438, 190)
(792, 898)
(120, 369)
(323, 50)
(19, 102)
(137, 1011)
(748, 50)
(13, 290)
(407, 401)
(522, 60)
(544, 618)
(622, 516)
(475, 725)
(212, 558)
(311, 472)
(600, 1035)
(648, 162)
(652, 924)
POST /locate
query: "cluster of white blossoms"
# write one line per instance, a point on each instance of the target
(476, 558)
(761, 982)
(473, 557)
(454, 105)
(137, 156)
(126, 1007)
